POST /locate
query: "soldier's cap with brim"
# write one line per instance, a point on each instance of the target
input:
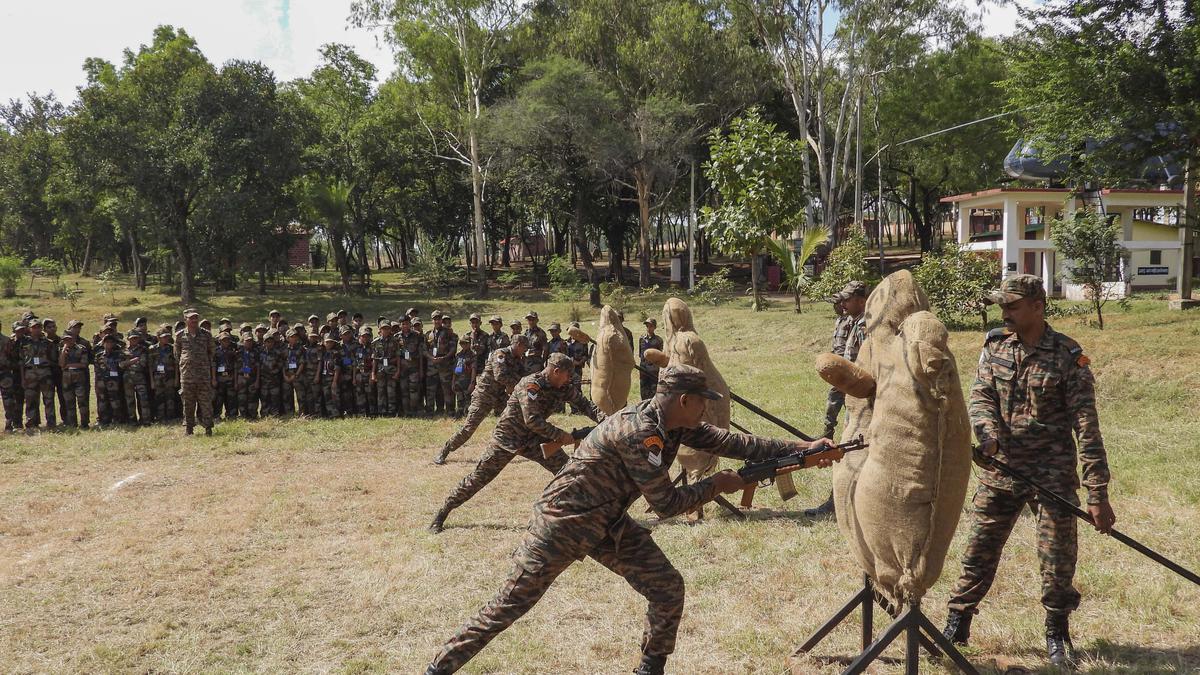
(854, 288)
(651, 321)
(331, 316)
(514, 322)
(346, 330)
(139, 321)
(271, 335)
(435, 314)
(179, 325)
(416, 322)
(34, 322)
(205, 322)
(531, 315)
(19, 325)
(134, 334)
(342, 312)
(274, 312)
(314, 336)
(247, 336)
(681, 379)
(225, 335)
(496, 319)
(225, 319)
(555, 327)
(330, 338)
(835, 298)
(260, 327)
(299, 328)
(386, 324)
(108, 338)
(69, 336)
(447, 317)
(475, 317)
(290, 334)
(164, 333)
(411, 310)
(28, 315)
(313, 317)
(74, 323)
(560, 361)
(365, 330)
(1015, 288)
(190, 313)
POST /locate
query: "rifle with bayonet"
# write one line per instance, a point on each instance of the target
(765, 471)
(549, 448)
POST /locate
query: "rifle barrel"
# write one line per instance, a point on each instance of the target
(1086, 517)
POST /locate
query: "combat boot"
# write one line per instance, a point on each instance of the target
(651, 665)
(1058, 640)
(958, 627)
(439, 521)
(434, 670)
(822, 511)
(440, 458)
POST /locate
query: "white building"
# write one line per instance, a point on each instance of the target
(1013, 222)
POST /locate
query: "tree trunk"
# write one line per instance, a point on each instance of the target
(477, 195)
(85, 268)
(755, 302)
(339, 258)
(585, 255)
(642, 182)
(187, 291)
(1188, 233)
(262, 279)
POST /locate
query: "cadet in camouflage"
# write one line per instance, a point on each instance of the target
(194, 348)
(1032, 400)
(582, 512)
(522, 428)
(37, 379)
(73, 360)
(492, 389)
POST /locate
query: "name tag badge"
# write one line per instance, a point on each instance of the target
(246, 370)
(112, 373)
(406, 356)
(220, 369)
(385, 363)
(292, 365)
(162, 368)
(435, 351)
(37, 361)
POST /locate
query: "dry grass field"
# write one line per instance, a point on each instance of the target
(294, 545)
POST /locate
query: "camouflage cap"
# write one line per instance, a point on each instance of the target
(435, 314)
(1016, 287)
(179, 325)
(259, 327)
(365, 330)
(109, 338)
(447, 317)
(291, 333)
(651, 321)
(555, 327)
(109, 317)
(225, 335)
(332, 316)
(164, 332)
(346, 330)
(139, 321)
(681, 379)
(341, 312)
(189, 313)
(474, 317)
(69, 336)
(19, 325)
(248, 336)
(299, 328)
(205, 322)
(417, 322)
(271, 335)
(410, 311)
(134, 334)
(560, 361)
(28, 316)
(531, 315)
(74, 323)
(386, 323)
(329, 338)
(34, 322)
(495, 319)
(314, 336)
(47, 322)
(514, 322)
(854, 288)
(245, 326)
(225, 319)
(274, 312)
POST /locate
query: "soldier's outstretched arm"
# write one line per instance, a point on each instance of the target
(534, 412)
(641, 453)
(584, 405)
(1081, 402)
(718, 441)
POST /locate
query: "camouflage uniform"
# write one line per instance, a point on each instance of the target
(439, 378)
(137, 383)
(37, 381)
(327, 378)
(225, 398)
(1034, 402)
(385, 357)
(582, 512)
(345, 379)
(76, 392)
(10, 392)
(194, 352)
(361, 366)
(835, 399)
(295, 391)
(56, 344)
(164, 380)
(479, 344)
(246, 382)
(492, 387)
(520, 431)
(648, 380)
(498, 340)
(411, 351)
(270, 386)
(110, 378)
(535, 359)
(463, 378)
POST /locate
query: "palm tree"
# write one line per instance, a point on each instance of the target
(793, 263)
(328, 202)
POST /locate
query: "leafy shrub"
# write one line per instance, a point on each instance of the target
(509, 279)
(48, 267)
(846, 263)
(10, 275)
(715, 288)
(614, 295)
(565, 284)
(433, 265)
(955, 280)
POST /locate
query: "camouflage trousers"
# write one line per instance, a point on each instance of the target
(197, 400)
(833, 407)
(329, 399)
(482, 403)
(409, 392)
(166, 405)
(12, 398)
(39, 388)
(225, 400)
(110, 401)
(137, 398)
(462, 397)
(385, 393)
(247, 398)
(270, 394)
(345, 396)
(364, 394)
(993, 514)
(76, 393)
(632, 554)
(439, 397)
(647, 385)
(493, 461)
(291, 396)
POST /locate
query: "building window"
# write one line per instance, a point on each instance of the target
(1155, 257)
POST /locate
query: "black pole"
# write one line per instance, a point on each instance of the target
(1083, 515)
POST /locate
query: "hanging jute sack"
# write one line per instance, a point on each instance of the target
(898, 504)
(612, 364)
(684, 346)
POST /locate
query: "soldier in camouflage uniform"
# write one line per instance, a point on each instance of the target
(137, 381)
(110, 378)
(648, 378)
(270, 384)
(10, 390)
(522, 427)
(294, 391)
(385, 358)
(463, 379)
(497, 339)
(249, 368)
(582, 512)
(327, 376)
(410, 346)
(194, 348)
(345, 379)
(362, 368)
(225, 393)
(313, 403)
(1032, 400)
(479, 342)
(36, 377)
(439, 376)
(164, 377)
(535, 359)
(50, 328)
(841, 332)
(73, 361)
(853, 299)
(492, 389)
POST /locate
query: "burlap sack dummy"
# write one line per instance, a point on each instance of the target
(683, 345)
(898, 504)
(612, 364)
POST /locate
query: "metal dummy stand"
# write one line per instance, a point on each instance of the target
(919, 632)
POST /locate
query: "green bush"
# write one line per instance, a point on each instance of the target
(955, 280)
(565, 284)
(614, 295)
(715, 288)
(846, 263)
(48, 267)
(10, 275)
(433, 265)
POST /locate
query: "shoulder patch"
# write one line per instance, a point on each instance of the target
(1083, 361)
(532, 387)
(654, 447)
(653, 442)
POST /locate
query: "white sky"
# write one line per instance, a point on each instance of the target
(43, 43)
